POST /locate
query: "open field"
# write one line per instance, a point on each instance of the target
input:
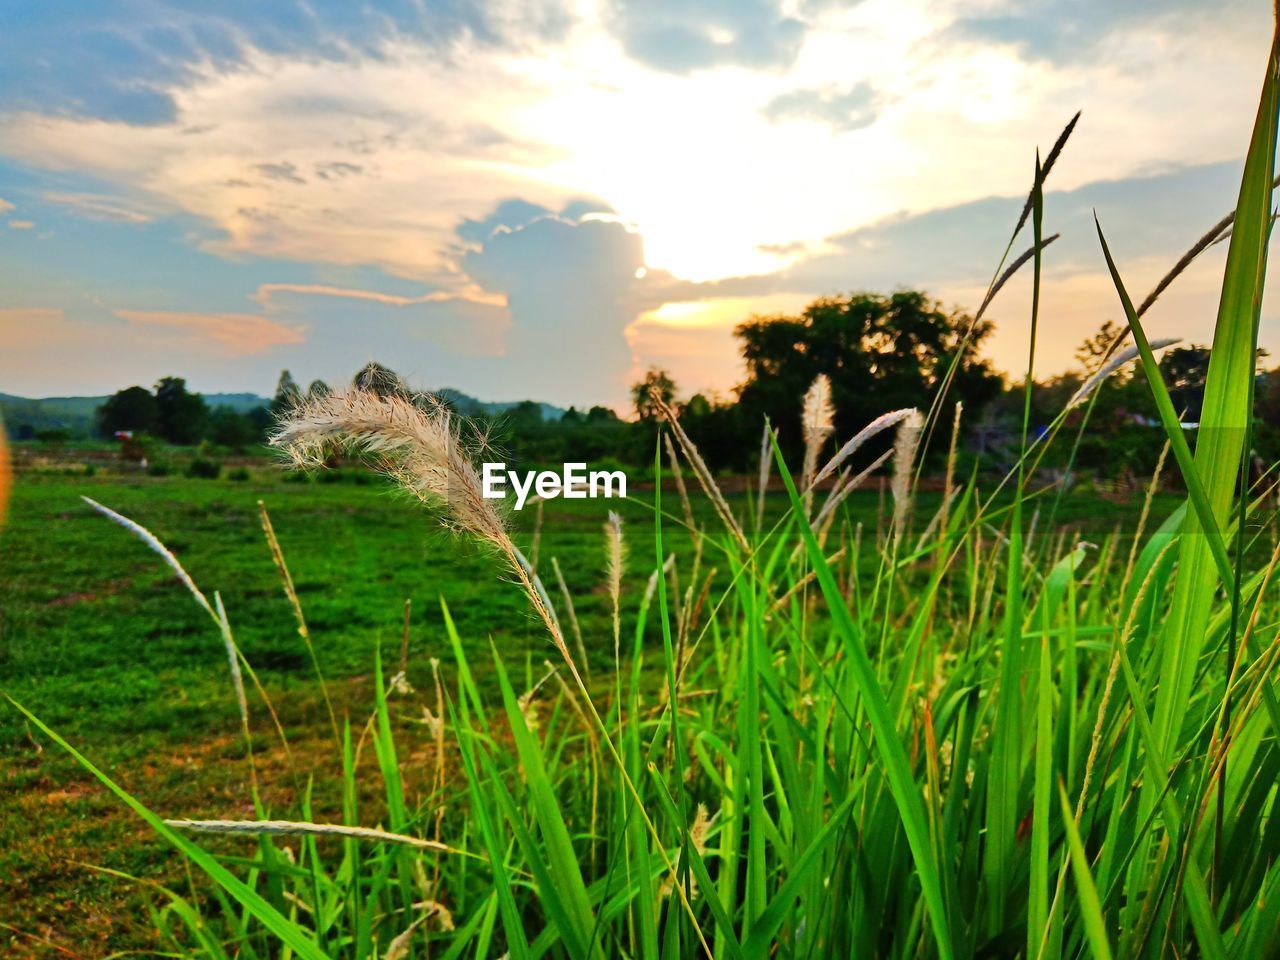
(101, 641)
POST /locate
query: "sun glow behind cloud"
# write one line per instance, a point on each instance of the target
(739, 171)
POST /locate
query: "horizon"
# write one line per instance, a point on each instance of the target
(460, 195)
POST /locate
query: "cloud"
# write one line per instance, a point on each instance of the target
(124, 61)
(5, 205)
(232, 334)
(1064, 32)
(685, 35)
(97, 207)
(268, 291)
(287, 172)
(21, 224)
(842, 110)
(472, 192)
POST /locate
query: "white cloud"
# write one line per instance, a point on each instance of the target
(5, 205)
(98, 207)
(378, 159)
(21, 224)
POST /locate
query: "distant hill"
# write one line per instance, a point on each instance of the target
(470, 406)
(76, 414)
(27, 415)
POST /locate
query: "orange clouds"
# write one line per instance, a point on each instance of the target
(234, 334)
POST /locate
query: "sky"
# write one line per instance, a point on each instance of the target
(543, 198)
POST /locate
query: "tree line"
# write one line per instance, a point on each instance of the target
(880, 352)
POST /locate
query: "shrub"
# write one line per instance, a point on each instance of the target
(203, 469)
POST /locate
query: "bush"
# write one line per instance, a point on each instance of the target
(239, 474)
(203, 469)
(159, 469)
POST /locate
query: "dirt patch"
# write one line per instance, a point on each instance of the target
(89, 596)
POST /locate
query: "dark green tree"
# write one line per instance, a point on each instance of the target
(288, 394)
(642, 392)
(182, 416)
(318, 389)
(881, 353)
(229, 427)
(133, 408)
(1185, 371)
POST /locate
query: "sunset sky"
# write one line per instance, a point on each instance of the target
(541, 199)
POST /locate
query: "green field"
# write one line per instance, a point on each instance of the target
(101, 641)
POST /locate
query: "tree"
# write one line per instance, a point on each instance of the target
(230, 428)
(1093, 348)
(133, 408)
(642, 393)
(182, 416)
(880, 352)
(288, 394)
(318, 390)
(1185, 371)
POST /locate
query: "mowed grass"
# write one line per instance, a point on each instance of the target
(101, 641)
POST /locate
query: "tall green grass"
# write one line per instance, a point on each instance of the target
(1001, 742)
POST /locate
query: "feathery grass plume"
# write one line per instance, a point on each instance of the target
(819, 423)
(286, 578)
(615, 552)
(298, 828)
(537, 537)
(573, 616)
(904, 455)
(828, 512)
(875, 427)
(398, 948)
(1127, 355)
(215, 610)
(678, 474)
(766, 462)
(152, 541)
(418, 445)
(233, 659)
(700, 469)
(949, 483)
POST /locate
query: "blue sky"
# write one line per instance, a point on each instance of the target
(540, 199)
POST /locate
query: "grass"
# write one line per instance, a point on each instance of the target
(940, 732)
(102, 642)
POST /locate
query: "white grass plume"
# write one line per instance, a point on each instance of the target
(615, 554)
(419, 446)
(678, 475)
(766, 461)
(700, 470)
(828, 512)
(1127, 355)
(904, 454)
(152, 541)
(215, 611)
(876, 426)
(818, 422)
(297, 828)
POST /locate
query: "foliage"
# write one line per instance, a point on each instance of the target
(181, 416)
(133, 408)
(880, 352)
